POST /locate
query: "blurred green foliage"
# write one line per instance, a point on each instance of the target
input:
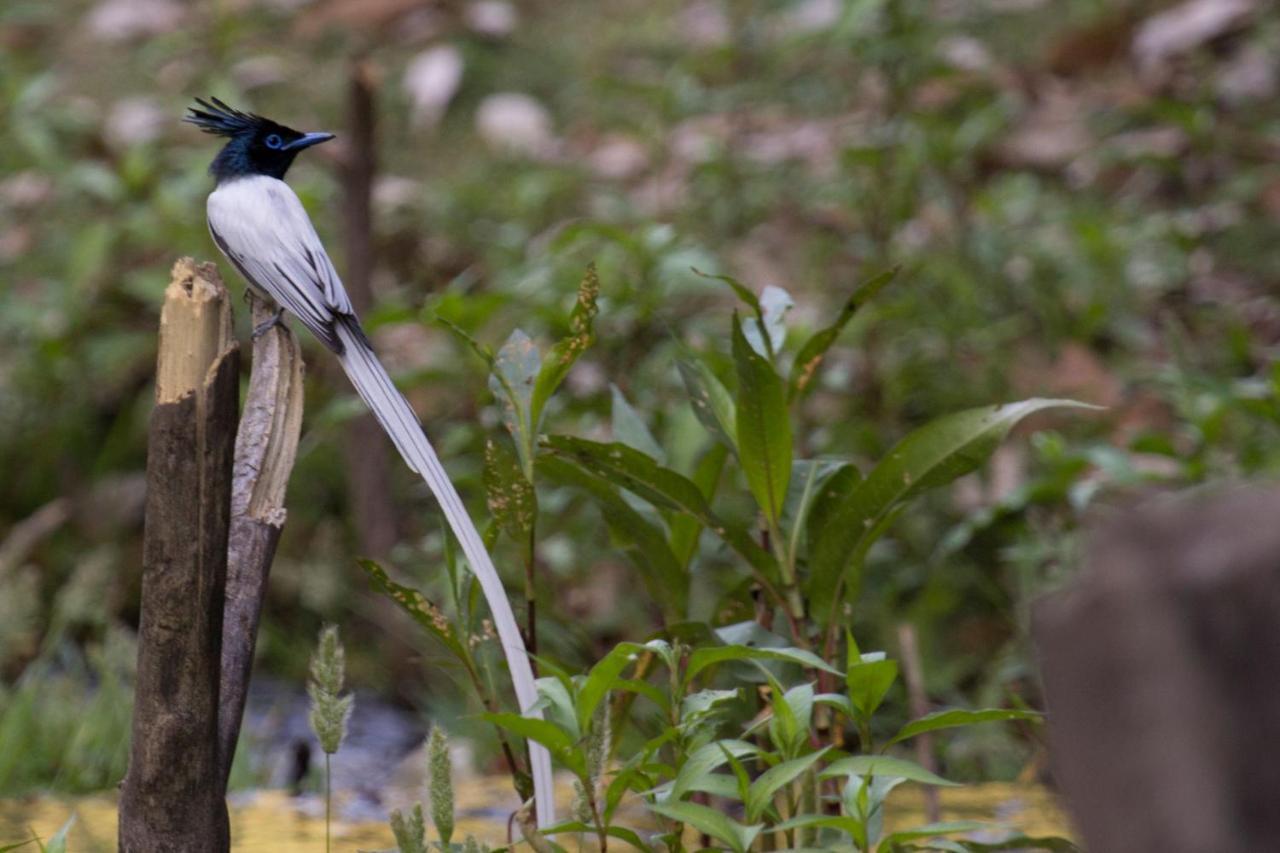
(1065, 226)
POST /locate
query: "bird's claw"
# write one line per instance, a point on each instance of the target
(267, 325)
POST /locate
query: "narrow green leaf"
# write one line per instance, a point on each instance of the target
(764, 427)
(703, 761)
(868, 681)
(630, 429)
(685, 529)
(511, 498)
(483, 352)
(647, 547)
(932, 830)
(1053, 843)
(712, 403)
(815, 349)
(711, 822)
(833, 493)
(601, 679)
(884, 765)
(426, 613)
(662, 487)
(959, 717)
(557, 741)
(630, 836)
(848, 825)
(563, 355)
(515, 369)
(744, 293)
(931, 456)
(700, 659)
(58, 843)
(760, 794)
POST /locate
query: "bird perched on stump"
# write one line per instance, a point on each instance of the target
(260, 225)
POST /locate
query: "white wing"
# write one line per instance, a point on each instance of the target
(260, 225)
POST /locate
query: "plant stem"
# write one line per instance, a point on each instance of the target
(328, 801)
(531, 599)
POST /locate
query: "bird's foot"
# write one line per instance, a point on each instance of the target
(267, 325)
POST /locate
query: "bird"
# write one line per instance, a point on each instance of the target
(260, 225)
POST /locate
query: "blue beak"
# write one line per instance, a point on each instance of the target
(307, 140)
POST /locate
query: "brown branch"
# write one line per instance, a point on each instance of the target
(368, 464)
(266, 446)
(171, 799)
(918, 700)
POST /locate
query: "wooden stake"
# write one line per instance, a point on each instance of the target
(266, 446)
(172, 797)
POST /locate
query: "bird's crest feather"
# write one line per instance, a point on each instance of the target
(220, 119)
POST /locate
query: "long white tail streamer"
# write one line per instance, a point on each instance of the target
(394, 413)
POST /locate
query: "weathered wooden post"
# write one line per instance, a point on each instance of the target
(266, 445)
(172, 798)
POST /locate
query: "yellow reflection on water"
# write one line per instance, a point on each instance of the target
(273, 821)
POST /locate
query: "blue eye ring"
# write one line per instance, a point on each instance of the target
(274, 142)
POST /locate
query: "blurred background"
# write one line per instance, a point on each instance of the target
(1082, 195)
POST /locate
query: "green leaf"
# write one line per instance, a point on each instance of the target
(849, 825)
(647, 547)
(9, 847)
(834, 492)
(557, 741)
(567, 350)
(630, 836)
(931, 456)
(706, 702)
(630, 429)
(959, 717)
(868, 680)
(764, 427)
(702, 658)
(685, 529)
(426, 613)
(1017, 842)
(931, 830)
(662, 487)
(58, 843)
(485, 354)
(703, 761)
(744, 293)
(511, 498)
(711, 822)
(712, 404)
(791, 718)
(760, 794)
(515, 369)
(884, 765)
(815, 349)
(601, 679)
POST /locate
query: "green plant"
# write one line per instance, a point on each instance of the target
(330, 711)
(410, 829)
(798, 532)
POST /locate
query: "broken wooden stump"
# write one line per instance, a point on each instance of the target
(170, 799)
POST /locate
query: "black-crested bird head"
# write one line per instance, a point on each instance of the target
(255, 145)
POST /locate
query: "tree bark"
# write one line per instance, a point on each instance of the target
(365, 447)
(172, 799)
(266, 446)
